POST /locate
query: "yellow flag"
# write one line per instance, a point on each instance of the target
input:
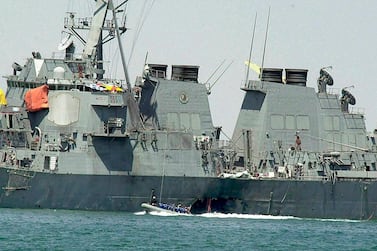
(253, 66)
(3, 100)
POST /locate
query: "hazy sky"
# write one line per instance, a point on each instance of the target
(302, 34)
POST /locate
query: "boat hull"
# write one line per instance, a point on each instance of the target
(150, 208)
(313, 199)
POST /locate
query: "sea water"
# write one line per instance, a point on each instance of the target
(84, 230)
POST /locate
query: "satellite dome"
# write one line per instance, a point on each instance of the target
(59, 72)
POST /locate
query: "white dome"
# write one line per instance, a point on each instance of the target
(59, 72)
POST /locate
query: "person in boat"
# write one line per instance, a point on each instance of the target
(182, 209)
(188, 209)
(153, 200)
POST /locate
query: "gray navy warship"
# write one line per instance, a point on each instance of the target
(73, 139)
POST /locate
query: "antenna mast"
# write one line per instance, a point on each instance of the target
(210, 87)
(251, 49)
(265, 39)
(218, 67)
(128, 82)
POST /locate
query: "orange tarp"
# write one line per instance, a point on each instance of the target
(37, 99)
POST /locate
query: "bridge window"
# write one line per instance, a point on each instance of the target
(290, 122)
(173, 121)
(277, 122)
(183, 121)
(195, 121)
(332, 123)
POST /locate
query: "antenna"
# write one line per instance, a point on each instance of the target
(218, 67)
(265, 39)
(125, 70)
(210, 87)
(145, 64)
(146, 58)
(251, 49)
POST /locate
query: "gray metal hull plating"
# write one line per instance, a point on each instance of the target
(313, 199)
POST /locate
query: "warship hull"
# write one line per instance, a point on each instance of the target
(73, 138)
(309, 199)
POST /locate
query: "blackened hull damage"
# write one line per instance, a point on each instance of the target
(308, 199)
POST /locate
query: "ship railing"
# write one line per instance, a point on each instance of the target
(357, 110)
(333, 91)
(74, 57)
(314, 178)
(78, 23)
(15, 82)
(223, 143)
(63, 55)
(85, 23)
(302, 178)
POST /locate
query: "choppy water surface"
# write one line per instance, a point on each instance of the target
(81, 230)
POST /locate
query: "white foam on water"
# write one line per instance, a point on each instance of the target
(246, 216)
(140, 213)
(164, 213)
(335, 220)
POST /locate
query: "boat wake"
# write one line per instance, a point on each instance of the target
(334, 220)
(167, 214)
(140, 213)
(220, 215)
(246, 216)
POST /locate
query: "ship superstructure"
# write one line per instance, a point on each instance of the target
(334, 141)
